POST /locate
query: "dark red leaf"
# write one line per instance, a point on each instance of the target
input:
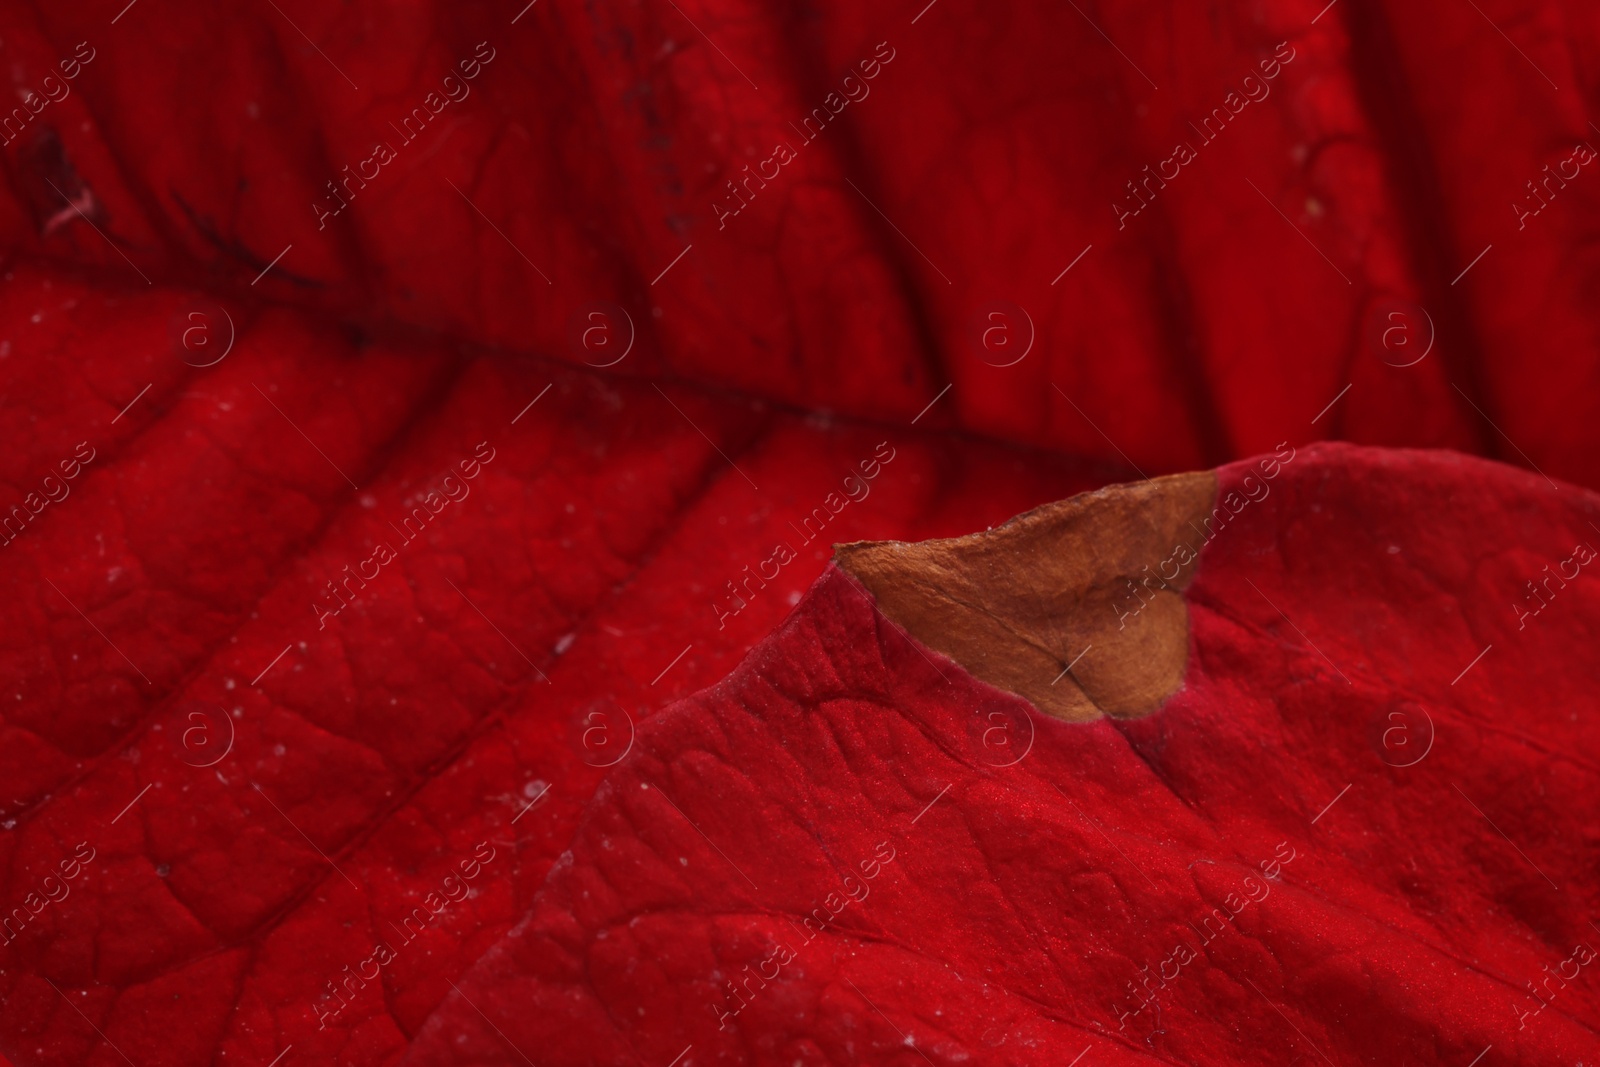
(1357, 833)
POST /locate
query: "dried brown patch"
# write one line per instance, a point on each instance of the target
(1016, 604)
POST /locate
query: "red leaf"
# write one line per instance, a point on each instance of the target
(402, 405)
(1352, 835)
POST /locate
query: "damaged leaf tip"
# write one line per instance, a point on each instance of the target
(1075, 606)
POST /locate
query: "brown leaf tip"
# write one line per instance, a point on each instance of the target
(1069, 606)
